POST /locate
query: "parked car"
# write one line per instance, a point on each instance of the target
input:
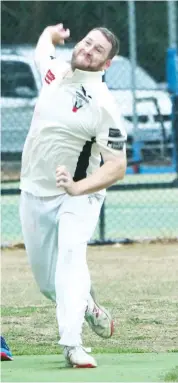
(20, 86)
(153, 106)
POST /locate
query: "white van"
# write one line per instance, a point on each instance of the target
(21, 83)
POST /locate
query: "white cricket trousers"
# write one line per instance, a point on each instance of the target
(56, 231)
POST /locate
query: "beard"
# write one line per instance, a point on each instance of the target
(76, 63)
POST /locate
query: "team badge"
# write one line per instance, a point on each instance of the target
(81, 99)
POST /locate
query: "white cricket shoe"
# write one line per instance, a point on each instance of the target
(98, 318)
(78, 357)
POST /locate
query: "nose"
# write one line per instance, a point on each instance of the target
(88, 49)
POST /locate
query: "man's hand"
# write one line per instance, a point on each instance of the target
(58, 34)
(64, 179)
(114, 169)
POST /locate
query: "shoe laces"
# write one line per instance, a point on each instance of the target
(96, 311)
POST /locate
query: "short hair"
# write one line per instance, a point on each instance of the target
(112, 38)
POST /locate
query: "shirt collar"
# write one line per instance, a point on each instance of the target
(84, 76)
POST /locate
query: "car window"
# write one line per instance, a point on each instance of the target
(17, 75)
(119, 76)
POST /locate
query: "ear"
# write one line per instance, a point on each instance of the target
(107, 64)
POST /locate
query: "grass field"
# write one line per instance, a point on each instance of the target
(112, 368)
(138, 283)
(128, 214)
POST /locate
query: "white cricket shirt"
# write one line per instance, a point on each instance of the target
(75, 118)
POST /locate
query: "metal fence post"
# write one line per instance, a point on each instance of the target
(172, 16)
(133, 59)
(175, 130)
(172, 73)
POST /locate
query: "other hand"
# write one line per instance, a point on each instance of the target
(64, 179)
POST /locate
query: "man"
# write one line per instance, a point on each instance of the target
(75, 122)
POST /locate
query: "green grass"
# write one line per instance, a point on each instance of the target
(111, 368)
(139, 285)
(172, 376)
(18, 311)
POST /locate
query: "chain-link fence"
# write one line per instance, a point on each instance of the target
(145, 203)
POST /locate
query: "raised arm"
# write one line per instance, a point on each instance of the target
(45, 49)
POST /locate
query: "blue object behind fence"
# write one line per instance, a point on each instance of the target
(172, 70)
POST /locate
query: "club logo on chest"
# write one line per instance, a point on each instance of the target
(81, 99)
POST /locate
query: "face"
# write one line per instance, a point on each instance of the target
(91, 53)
